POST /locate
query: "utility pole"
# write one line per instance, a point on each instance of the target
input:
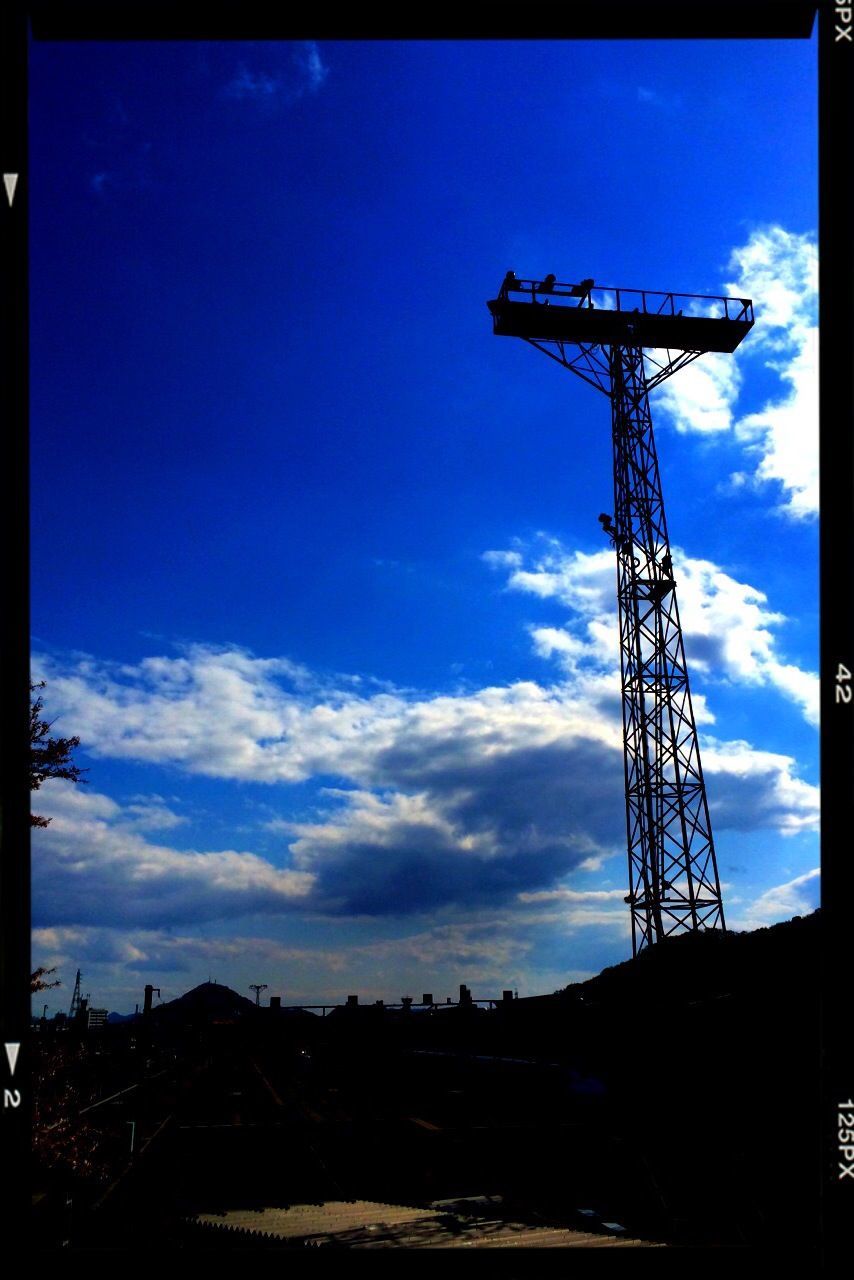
(257, 987)
(673, 875)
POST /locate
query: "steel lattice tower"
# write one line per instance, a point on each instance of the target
(673, 875)
(75, 998)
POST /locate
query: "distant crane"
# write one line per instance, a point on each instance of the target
(673, 875)
(75, 998)
(257, 987)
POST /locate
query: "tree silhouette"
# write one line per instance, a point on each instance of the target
(37, 980)
(49, 757)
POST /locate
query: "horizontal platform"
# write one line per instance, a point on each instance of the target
(549, 321)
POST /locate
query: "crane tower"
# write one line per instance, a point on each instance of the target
(75, 999)
(624, 346)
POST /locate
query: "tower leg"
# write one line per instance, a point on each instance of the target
(673, 876)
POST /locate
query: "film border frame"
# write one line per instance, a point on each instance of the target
(620, 19)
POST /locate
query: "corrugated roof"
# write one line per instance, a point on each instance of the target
(371, 1224)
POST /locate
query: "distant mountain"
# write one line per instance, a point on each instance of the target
(209, 1002)
(120, 1017)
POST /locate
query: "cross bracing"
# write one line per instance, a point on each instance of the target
(673, 875)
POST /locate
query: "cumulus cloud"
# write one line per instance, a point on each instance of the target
(779, 271)
(150, 813)
(782, 270)
(227, 714)
(439, 800)
(478, 831)
(780, 799)
(700, 397)
(796, 897)
(92, 865)
(783, 435)
(728, 628)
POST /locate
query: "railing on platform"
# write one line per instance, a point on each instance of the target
(642, 301)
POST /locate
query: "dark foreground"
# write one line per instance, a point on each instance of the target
(633, 1109)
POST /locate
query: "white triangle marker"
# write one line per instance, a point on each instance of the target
(12, 1055)
(11, 181)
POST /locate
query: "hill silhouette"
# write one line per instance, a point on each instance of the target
(711, 965)
(210, 1002)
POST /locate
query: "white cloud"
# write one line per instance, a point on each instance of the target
(784, 433)
(501, 559)
(92, 865)
(474, 798)
(224, 713)
(782, 270)
(779, 271)
(727, 628)
(575, 895)
(150, 813)
(726, 624)
(781, 902)
(700, 397)
(779, 798)
(604, 298)
(447, 799)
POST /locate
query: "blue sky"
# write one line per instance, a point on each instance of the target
(317, 575)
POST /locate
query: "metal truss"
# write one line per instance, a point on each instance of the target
(591, 362)
(673, 876)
